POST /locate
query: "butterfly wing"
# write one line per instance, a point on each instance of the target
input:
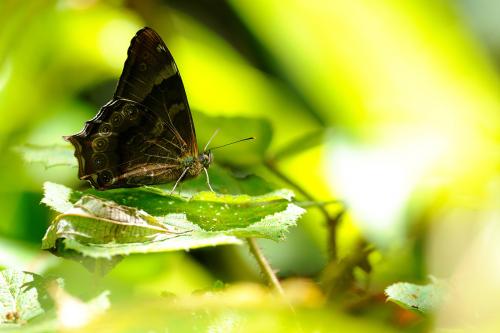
(150, 76)
(141, 135)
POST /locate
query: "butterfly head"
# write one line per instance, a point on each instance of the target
(206, 158)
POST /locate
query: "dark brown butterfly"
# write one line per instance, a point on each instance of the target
(145, 134)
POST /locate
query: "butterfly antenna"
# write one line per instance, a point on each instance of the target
(210, 140)
(232, 143)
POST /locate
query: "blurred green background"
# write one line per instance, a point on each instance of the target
(392, 107)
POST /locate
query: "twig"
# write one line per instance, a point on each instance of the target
(332, 221)
(264, 266)
(272, 279)
(306, 204)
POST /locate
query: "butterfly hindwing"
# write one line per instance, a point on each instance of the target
(122, 147)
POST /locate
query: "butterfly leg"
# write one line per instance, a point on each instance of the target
(208, 180)
(178, 180)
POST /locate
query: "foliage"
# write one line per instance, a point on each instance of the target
(21, 295)
(424, 299)
(36, 304)
(50, 156)
(98, 225)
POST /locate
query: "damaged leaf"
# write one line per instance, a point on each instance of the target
(420, 298)
(142, 220)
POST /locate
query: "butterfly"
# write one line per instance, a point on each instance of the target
(145, 135)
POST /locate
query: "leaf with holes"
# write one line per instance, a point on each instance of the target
(23, 296)
(48, 155)
(142, 220)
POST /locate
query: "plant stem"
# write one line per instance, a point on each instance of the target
(331, 221)
(264, 265)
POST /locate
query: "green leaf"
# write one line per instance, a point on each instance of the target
(224, 181)
(115, 223)
(40, 304)
(232, 129)
(301, 144)
(22, 297)
(147, 219)
(424, 299)
(49, 155)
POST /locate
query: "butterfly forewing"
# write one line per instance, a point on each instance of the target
(142, 135)
(169, 103)
(150, 76)
(148, 60)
